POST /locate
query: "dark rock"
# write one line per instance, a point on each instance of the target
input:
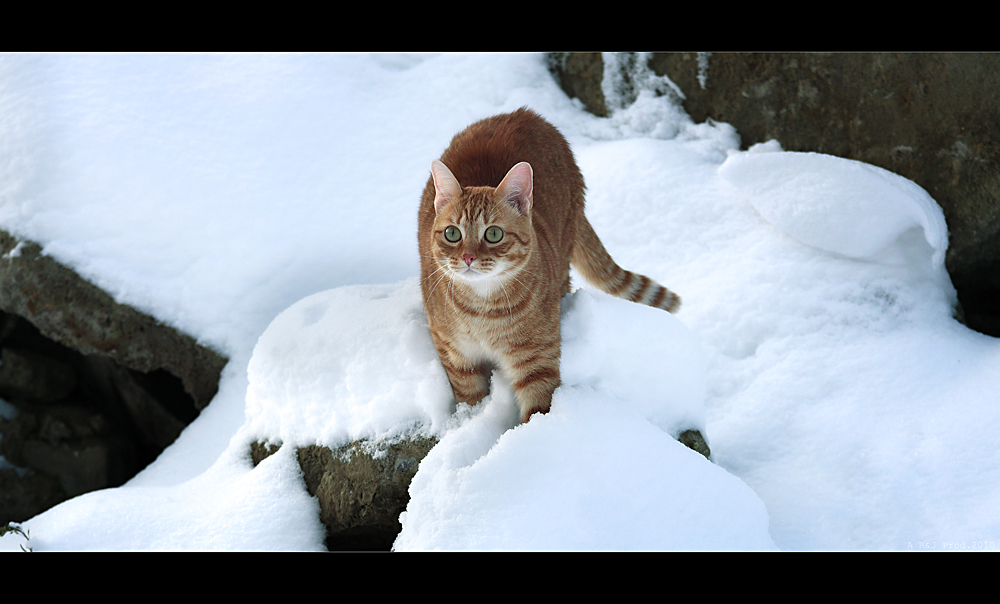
(692, 439)
(580, 75)
(100, 388)
(156, 426)
(261, 451)
(80, 466)
(931, 117)
(57, 451)
(361, 492)
(361, 495)
(69, 310)
(33, 376)
(24, 493)
(60, 423)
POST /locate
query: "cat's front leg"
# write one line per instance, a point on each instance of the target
(534, 382)
(469, 382)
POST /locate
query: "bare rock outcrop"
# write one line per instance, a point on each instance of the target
(91, 391)
(69, 310)
(361, 489)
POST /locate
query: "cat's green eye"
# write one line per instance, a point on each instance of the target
(494, 234)
(452, 234)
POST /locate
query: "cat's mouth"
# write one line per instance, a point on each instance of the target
(472, 272)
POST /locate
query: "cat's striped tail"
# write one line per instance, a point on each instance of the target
(597, 267)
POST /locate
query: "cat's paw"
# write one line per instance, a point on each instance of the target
(526, 415)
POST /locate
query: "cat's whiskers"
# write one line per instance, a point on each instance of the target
(510, 307)
(444, 275)
(513, 274)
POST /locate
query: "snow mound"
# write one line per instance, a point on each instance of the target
(636, 355)
(592, 474)
(345, 364)
(357, 362)
(838, 205)
(268, 509)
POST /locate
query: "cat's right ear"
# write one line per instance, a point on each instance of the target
(446, 187)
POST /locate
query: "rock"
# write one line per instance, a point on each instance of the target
(24, 493)
(65, 442)
(692, 439)
(157, 427)
(100, 388)
(80, 466)
(580, 75)
(79, 315)
(361, 489)
(931, 117)
(62, 423)
(33, 376)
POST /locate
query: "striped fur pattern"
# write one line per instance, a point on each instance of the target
(597, 267)
(500, 220)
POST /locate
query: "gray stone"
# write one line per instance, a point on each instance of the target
(361, 489)
(77, 314)
(101, 388)
(931, 117)
(692, 439)
(580, 75)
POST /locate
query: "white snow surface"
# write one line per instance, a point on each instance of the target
(266, 204)
(838, 205)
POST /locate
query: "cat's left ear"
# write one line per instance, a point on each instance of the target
(516, 188)
(446, 187)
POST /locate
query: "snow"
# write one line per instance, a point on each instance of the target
(548, 485)
(835, 204)
(367, 347)
(266, 204)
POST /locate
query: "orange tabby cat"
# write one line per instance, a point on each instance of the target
(500, 221)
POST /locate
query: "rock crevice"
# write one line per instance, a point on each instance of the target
(91, 391)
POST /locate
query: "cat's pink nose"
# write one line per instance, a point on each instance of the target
(468, 258)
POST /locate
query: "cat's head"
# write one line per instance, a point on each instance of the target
(482, 235)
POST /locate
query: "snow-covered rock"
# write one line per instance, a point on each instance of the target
(835, 204)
